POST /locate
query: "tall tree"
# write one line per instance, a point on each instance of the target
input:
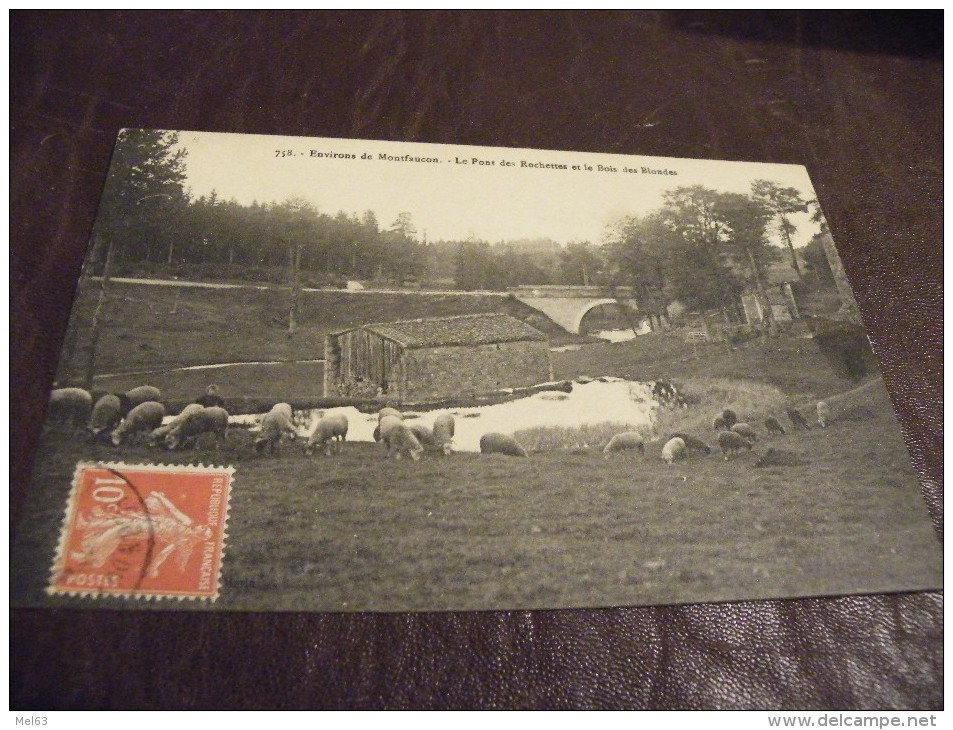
(146, 167)
(698, 273)
(781, 202)
(143, 193)
(638, 254)
(746, 243)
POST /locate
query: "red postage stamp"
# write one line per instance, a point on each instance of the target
(143, 531)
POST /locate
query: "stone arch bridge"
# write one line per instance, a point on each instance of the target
(567, 305)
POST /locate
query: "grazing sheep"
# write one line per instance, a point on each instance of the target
(718, 424)
(729, 417)
(443, 428)
(144, 417)
(331, 429)
(142, 394)
(823, 414)
(800, 423)
(731, 442)
(692, 443)
(674, 450)
(500, 443)
(746, 431)
(774, 426)
(106, 415)
(384, 412)
(625, 441)
(424, 434)
(160, 433)
(212, 420)
(275, 424)
(386, 423)
(70, 405)
(399, 438)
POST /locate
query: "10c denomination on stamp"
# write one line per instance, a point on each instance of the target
(143, 531)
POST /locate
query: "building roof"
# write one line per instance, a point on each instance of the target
(467, 329)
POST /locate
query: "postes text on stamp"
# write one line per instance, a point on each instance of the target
(143, 531)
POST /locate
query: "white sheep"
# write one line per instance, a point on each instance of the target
(399, 438)
(731, 442)
(160, 433)
(823, 414)
(625, 441)
(144, 417)
(331, 429)
(674, 450)
(275, 424)
(212, 420)
(500, 443)
(388, 411)
(746, 431)
(443, 428)
(141, 394)
(70, 405)
(106, 415)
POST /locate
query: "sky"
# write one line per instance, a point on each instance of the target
(488, 193)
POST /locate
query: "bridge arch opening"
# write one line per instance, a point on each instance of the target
(602, 310)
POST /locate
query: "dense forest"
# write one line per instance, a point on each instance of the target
(701, 247)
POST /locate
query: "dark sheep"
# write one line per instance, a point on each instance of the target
(692, 443)
(774, 426)
(729, 417)
(800, 423)
(732, 442)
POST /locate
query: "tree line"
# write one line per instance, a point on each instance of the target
(701, 247)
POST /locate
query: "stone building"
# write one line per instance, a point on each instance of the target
(433, 359)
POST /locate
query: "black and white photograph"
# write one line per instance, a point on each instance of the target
(448, 378)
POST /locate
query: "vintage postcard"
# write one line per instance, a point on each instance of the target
(345, 375)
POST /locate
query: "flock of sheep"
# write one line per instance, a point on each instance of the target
(733, 435)
(139, 414)
(123, 418)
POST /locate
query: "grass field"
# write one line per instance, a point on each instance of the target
(157, 327)
(557, 529)
(561, 528)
